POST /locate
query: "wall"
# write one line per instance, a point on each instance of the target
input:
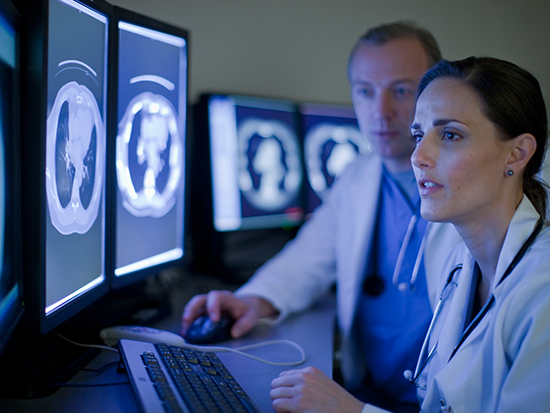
(298, 48)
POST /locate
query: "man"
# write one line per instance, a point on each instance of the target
(366, 237)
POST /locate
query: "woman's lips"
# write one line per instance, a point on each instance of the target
(428, 187)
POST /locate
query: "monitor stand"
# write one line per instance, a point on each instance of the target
(38, 366)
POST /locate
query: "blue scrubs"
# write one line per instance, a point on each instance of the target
(391, 326)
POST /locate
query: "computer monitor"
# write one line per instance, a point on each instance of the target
(11, 301)
(248, 168)
(331, 141)
(64, 100)
(150, 78)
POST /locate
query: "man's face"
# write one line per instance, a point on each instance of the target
(383, 85)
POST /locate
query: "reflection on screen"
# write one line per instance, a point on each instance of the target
(75, 151)
(256, 167)
(331, 142)
(9, 289)
(150, 148)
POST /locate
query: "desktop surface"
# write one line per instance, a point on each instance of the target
(312, 329)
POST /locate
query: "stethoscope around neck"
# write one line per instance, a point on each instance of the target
(373, 285)
(422, 359)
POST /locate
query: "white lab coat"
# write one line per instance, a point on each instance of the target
(503, 366)
(331, 247)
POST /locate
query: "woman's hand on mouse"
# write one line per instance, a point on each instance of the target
(246, 311)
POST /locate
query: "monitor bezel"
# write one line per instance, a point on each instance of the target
(12, 225)
(151, 23)
(217, 252)
(270, 103)
(34, 67)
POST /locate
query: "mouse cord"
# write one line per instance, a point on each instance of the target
(99, 346)
(241, 351)
(237, 350)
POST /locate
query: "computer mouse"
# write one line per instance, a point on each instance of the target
(111, 335)
(205, 331)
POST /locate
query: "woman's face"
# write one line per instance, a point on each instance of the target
(459, 162)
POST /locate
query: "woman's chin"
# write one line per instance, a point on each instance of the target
(431, 214)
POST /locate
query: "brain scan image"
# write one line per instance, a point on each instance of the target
(75, 148)
(329, 149)
(269, 164)
(149, 160)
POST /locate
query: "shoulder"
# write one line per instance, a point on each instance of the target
(534, 268)
(361, 176)
(363, 166)
(525, 297)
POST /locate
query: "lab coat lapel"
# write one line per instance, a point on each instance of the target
(364, 214)
(455, 313)
(519, 230)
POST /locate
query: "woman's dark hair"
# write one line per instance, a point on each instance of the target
(513, 101)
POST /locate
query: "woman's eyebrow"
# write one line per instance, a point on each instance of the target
(437, 122)
(443, 122)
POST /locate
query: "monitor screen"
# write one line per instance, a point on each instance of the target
(65, 157)
(11, 304)
(256, 165)
(152, 61)
(331, 141)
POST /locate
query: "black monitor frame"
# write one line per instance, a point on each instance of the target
(13, 305)
(236, 253)
(34, 131)
(133, 276)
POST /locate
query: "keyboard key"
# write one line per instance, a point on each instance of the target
(200, 378)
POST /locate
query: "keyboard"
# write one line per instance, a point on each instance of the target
(176, 379)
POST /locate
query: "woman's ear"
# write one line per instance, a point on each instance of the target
(522, 149)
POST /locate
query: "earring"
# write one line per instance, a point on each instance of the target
(509, 173)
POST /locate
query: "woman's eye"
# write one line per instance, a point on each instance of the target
(416, 137)
(450, 136)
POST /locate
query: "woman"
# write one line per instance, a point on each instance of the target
(480, 129)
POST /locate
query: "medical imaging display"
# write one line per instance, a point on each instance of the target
(7, 63)
(75, 150)
(256, 163)
(150, 144)
(10, 306)
(331, 142)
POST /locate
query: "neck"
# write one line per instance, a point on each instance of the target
(396, 165)
(484, 239)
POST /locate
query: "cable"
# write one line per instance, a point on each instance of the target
(237, 350)
(99, 346)
(240, 351)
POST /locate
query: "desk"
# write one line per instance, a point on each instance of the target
(312, 329)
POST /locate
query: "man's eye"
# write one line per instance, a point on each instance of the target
(365, 92)
(403, 93)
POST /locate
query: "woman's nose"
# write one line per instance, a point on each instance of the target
(422, 156)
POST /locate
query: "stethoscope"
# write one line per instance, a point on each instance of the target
(422, 359)
(374, 285)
